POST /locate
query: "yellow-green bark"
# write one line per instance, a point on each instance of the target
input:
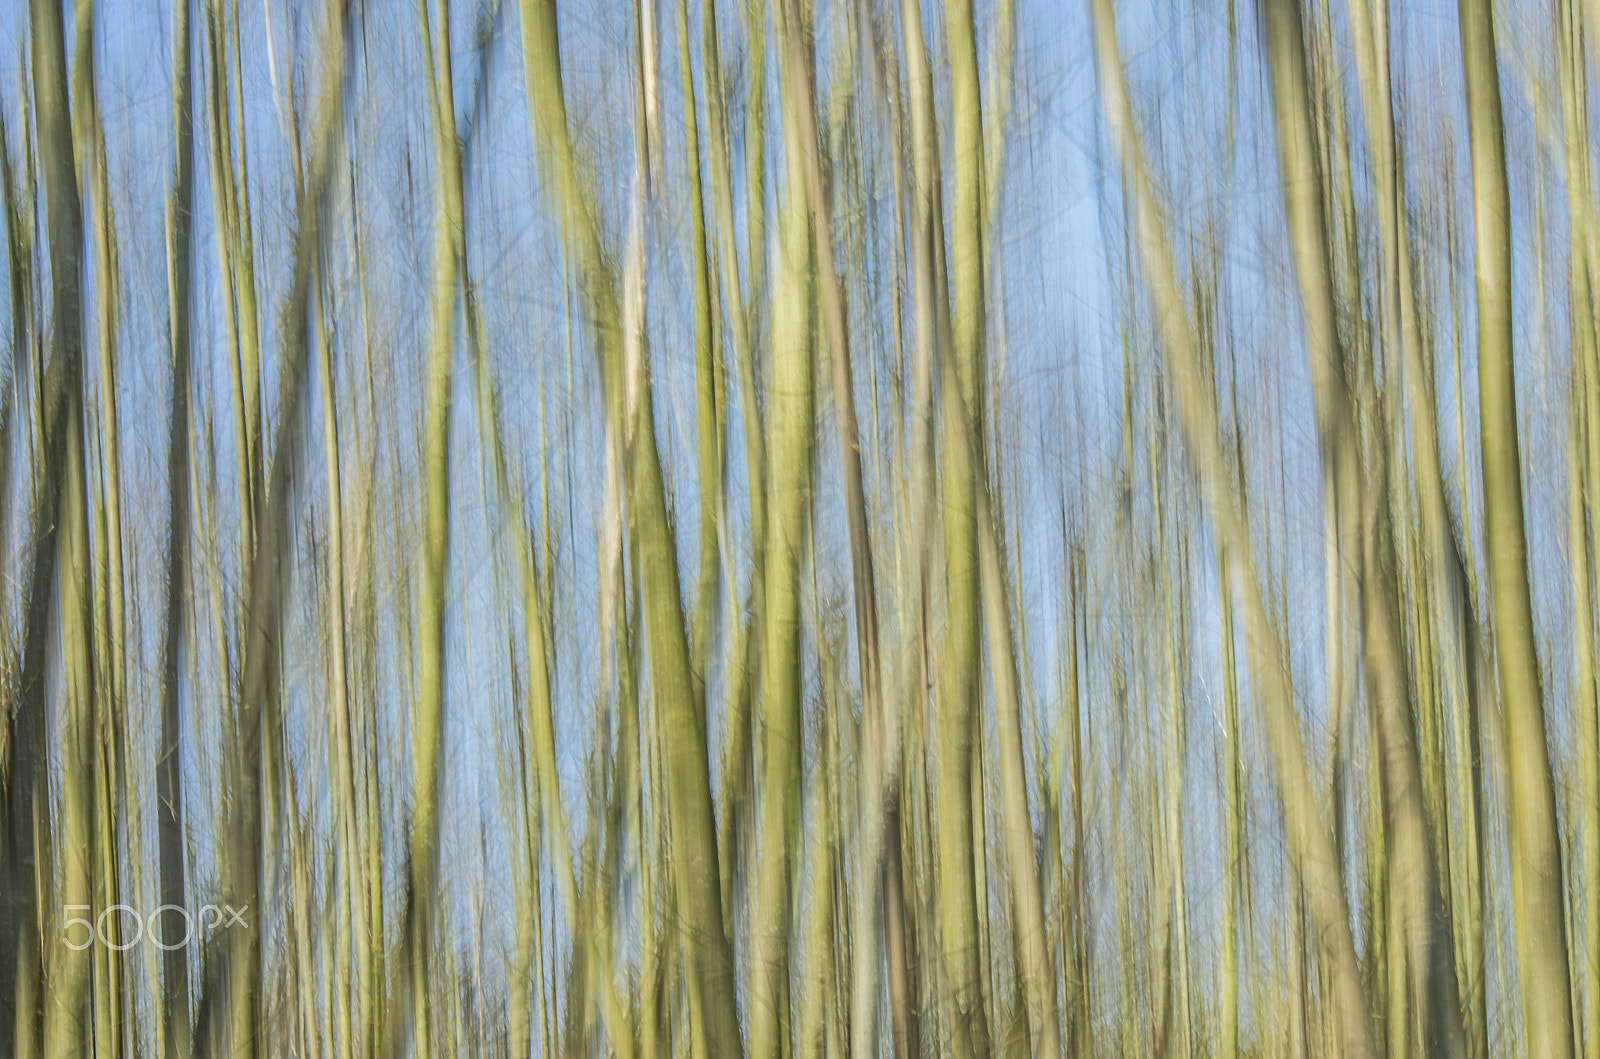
(1310, 841)
(1536, 870)
(706, 950)
(790, 411)
(169, 777)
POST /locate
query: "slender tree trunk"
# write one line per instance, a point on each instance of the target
(1310, 842)
(28, 851)
(260, 756)
(1536, 871)
(107, 599)
(1583, 458)
(958, 694)
(707, 952)
(1233, 809)
(169, 769)
(881, 815)
(427, 734)
(1421, 915)
(790, 413)
(707, 376)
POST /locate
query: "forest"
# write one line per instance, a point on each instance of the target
(779, 528)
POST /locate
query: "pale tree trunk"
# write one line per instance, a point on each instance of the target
(1310, 841)
(958, 688)
(103, 455)
(1583, 458)
(707, 954)
(427, 733)
(970, 318)
(707, 376)
(790, 412)
(349, 905)
(1364, 541)
(740, 310)
(1536, 870)
(259, 723)
(30, 839)
(169, 767)
(880, 797)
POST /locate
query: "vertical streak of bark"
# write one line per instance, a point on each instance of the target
(260, 754)
(23, 721)
(28, 837)
(790, 414)
(1583, 457)
(706, 950)
(107, 720)
(1232, 807)
(427, 736)
(1583, 694)
(1536, 870)
(169, 767)
(958, 691)
(350, 900)
(881, 821)
(1310, 842)
(1367, 544)
(708, 414)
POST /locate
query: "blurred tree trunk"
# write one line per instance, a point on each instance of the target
(1364, 539)
(259, 756)
(708, 962)
(58, 526)
(427, 734)
(107, 584)
(350, 919)
(1583, 459)
(1536, 871)
(740, 309)
(790, 413)
(958, 694)
(880, 800)
(1310, 842)
(23, 718)
(169, 774)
